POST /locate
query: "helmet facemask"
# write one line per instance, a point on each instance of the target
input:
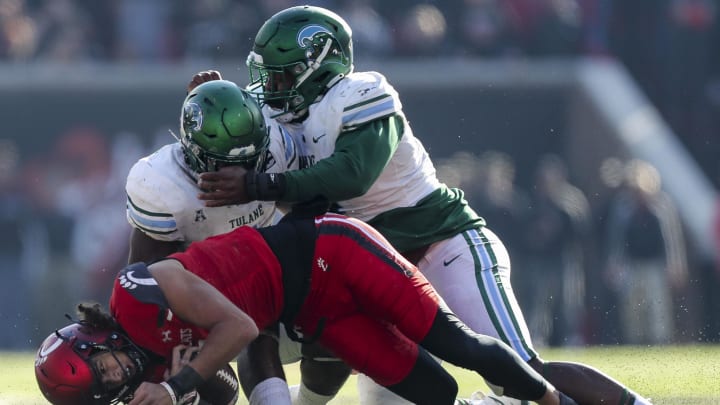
(66, 372)
(122, 392)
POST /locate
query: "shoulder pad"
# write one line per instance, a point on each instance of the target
(138, 282)
(366, 96)
(149, 191)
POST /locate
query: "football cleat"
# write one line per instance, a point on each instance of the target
(480, 398)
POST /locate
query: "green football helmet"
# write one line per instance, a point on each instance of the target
(220, 125)
(298, 54)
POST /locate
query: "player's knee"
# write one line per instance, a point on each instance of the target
(255, 355)
(324, 377)
(258, 362)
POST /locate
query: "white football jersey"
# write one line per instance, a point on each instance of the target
(357, 99)
(162, 195)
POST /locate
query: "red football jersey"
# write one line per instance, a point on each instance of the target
(364, 302)
(239, 264)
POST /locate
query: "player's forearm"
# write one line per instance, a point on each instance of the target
(339, 177)
(359, 158)
(335, 178)
(224, 342)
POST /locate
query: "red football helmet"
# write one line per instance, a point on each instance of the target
(65, 374)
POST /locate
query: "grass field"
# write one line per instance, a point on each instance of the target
(672, 375)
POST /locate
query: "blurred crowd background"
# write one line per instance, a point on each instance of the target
(63, 207)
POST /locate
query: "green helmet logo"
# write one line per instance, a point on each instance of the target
(220, 125)
(298, 54)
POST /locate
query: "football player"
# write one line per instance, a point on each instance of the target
(93, 362)
(358, 150)
(330, 278)
(220, 125)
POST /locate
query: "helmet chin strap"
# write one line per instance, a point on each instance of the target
(314, 65)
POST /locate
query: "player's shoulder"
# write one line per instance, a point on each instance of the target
(363, 97)
(161, 163)
(155, 181)
(359, 86)
(137, 280)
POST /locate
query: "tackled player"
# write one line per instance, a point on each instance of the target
(331, 278)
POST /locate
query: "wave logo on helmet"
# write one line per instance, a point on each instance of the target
(192, 116)
(306, 35)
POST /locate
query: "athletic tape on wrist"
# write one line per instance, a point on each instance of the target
(185, 381)
(170, 391)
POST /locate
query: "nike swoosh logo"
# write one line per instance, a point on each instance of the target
(316, 139)
(447, 262)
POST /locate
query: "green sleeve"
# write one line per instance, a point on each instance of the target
(360, 156)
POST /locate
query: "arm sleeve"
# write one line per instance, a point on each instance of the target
(360, 156)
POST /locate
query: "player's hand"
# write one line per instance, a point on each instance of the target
(202, 77)
(181, 357)
(223, 187)
(151, 394)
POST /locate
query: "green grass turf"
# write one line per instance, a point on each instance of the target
(670, 375)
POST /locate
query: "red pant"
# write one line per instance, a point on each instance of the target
(375, 305)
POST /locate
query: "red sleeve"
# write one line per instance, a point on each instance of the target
(138, 305)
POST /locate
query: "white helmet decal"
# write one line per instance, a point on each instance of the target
(46, 349)
(193, 114)
(243, 151)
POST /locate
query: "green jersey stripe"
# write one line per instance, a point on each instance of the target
(481, 285)
(372, 100)
(146, 212)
